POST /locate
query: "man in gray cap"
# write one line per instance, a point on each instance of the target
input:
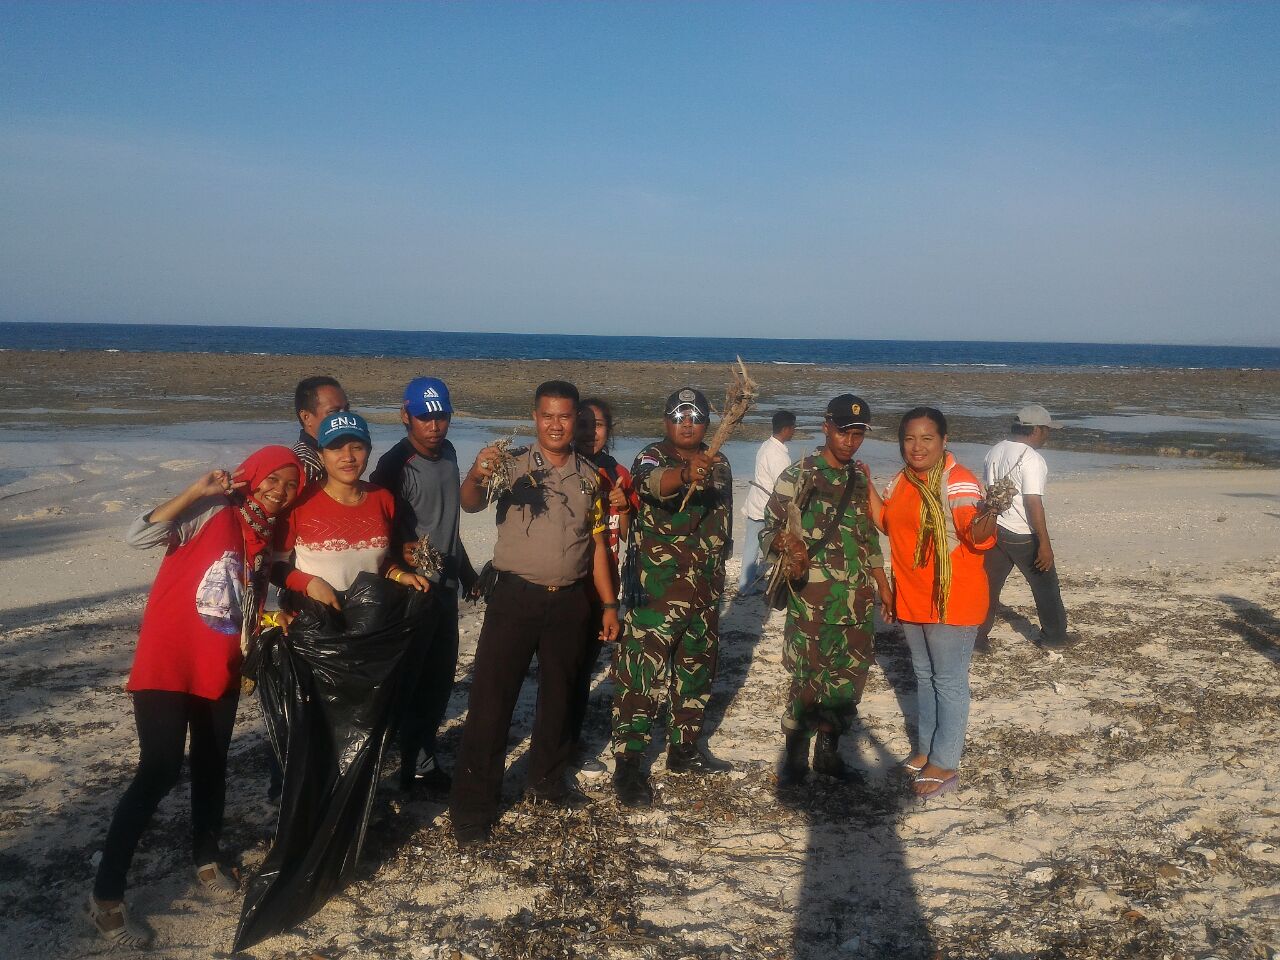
(1022, 534)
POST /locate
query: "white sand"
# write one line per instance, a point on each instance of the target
(1119, 797)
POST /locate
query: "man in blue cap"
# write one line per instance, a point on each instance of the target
(422, 471)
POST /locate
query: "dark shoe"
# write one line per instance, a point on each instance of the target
(472, 835)
(567, 797)
(630, 781)
(274, 789)
(1054, 644)
(795, 765)
(431, 776)
(694, 758)
(826, 758)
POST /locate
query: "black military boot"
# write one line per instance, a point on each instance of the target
(826, 757)
(630, 781)
(795, 765)
(694, 758)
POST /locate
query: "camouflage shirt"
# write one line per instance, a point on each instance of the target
(689, 544)
(847, 556)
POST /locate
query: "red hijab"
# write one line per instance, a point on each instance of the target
(254, 520)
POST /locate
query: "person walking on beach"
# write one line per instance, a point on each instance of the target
(422, 471)
(1022, 532)
(771, 459)
(833, 568)
(595, 430)
(937, 535)
(314, 399)
(551, 553)
(672, 637)
(201, 614)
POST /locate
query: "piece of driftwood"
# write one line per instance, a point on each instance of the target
(738, 399)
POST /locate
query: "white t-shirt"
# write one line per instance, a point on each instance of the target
(771, 459)
(1012, 458)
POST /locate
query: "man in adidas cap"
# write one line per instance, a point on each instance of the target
(422, 471)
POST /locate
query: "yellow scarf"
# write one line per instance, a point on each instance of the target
(933, 530)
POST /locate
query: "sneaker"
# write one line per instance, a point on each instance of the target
(1056, 645)
(431, 776)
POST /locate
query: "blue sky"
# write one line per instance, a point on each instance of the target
(1040, 171)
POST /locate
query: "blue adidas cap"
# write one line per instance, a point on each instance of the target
(425, 396)
(339, 425)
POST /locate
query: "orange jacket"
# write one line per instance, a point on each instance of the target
(914, 601)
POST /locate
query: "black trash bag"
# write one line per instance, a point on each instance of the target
(328, 689)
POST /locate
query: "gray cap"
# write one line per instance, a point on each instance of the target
(1034, 415)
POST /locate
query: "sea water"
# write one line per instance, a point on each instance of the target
(447, 345)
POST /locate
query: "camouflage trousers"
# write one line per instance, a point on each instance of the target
(827, 649)
(668, 646)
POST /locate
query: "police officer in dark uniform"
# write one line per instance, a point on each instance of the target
(551, 550)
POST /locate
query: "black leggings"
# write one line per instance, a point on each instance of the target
(163, 718)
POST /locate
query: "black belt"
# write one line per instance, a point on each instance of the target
(504, 577)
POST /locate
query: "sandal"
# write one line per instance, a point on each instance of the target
(124, 934)
(910, 770)
(944, 785)
(217, 882)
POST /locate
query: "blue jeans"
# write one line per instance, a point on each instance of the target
(941, 655)
(751, 555)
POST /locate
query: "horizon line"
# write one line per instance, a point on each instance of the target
(624, 336)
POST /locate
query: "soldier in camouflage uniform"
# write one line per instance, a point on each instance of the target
(671, 636)
(832, 565)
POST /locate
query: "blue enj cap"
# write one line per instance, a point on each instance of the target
(338, 425)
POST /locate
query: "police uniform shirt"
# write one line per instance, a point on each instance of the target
(547, 518)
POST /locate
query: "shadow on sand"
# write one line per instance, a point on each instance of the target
(1256, 626)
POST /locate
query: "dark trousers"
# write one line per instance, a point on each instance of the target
(429, 673)
(591, 654)
(1019, 550)
(521, 620)
(163, 719)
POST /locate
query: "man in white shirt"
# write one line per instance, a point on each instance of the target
(771, 459)
(1022, 535)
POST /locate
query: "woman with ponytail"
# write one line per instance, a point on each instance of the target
(932, 513)
(201, 615)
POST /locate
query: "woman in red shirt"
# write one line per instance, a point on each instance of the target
(202, 611)
(343, 527)
(937, 534)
